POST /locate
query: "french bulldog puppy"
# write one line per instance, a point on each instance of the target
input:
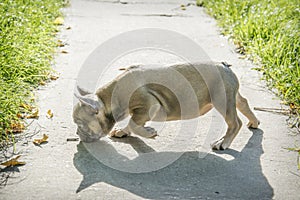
(177, 92)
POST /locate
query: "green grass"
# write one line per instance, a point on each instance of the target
(27, 46)
(269, 32)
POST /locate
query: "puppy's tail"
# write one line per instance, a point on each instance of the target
(226, 64)
(129, 68)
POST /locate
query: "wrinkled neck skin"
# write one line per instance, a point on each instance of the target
(107, 121)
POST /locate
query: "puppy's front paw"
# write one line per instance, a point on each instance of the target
(119, 133)
(219, 145)
(253, 124)
(146, 132)
(151, 132)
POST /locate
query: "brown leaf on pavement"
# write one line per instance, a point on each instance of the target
(13, 162)
(17, 127)
(49, 114)
(59, 21)
(33, 115)
(40, 141)
(54, 77)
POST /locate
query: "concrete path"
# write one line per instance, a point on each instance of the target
(257, 166)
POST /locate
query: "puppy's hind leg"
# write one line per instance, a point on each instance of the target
(233, 122)
(243, 106)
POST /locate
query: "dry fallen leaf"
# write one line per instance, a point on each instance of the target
(292, 106)
(13, 162)
(17, 127)
(68, 28)
(60, 44)
(53, 77)
(49, 114)
(59, 21)
(64, 51)
(42, 83)
(21, 115)
(26, 106)
(40, 141)
(33, 115)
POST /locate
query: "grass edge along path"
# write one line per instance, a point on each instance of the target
(268, 31)
(27, 48)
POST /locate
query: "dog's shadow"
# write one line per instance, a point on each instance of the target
(189, 177)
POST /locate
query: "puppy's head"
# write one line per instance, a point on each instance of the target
(89, 115)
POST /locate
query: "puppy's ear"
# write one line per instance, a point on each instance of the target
(91, 103)
(82, 91)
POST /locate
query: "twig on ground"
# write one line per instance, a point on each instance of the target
(274, 110)
(293, 121)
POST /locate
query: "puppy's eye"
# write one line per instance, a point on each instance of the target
(78, 121)
(80, 125)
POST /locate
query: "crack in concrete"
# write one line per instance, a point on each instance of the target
(156, 15)
(146, 2)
